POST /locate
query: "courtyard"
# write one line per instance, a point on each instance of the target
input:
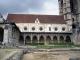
(60, 55)
(34, 53)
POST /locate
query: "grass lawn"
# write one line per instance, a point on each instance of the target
(56, 46)
(4, 52)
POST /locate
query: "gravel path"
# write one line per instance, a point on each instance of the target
(61, 55)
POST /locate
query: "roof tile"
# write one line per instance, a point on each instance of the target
(30, 18)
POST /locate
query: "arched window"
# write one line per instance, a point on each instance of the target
(62, 3)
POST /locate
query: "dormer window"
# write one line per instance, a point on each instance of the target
(37, 21)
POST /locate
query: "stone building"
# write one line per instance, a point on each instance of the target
(9, 32)
(41, 28)
(22, 28)
(70, 9)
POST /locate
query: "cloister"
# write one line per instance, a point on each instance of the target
(44, 38)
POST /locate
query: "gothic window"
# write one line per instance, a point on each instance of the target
(62, 3)
(40, 28)
(49, 28)
(73, 5)
(25, 28)
(63, 29)
(33, 28)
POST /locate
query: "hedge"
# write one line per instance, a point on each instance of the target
(34, 43)
(61, 43)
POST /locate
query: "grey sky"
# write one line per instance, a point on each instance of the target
(29, 7)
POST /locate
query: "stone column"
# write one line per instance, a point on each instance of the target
(45, 40)
(6, 36)
(64, 39)
(51, 38)
(38, 38)
(24, 39)
(31, 38)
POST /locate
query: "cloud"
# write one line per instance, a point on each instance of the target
(28, 6)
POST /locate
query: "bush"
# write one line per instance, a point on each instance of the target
(77, 45)
(61, 43)
(34, 43)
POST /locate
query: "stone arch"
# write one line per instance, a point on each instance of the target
(48, 39)
(41, 39)
(61, 39)
(34, 39)
(28, 39)
(1, 34)
(68, 39)
(21, 39)
(55, 39)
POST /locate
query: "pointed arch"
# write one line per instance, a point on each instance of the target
(61, 39)
(48, 39)
(41, 39)
(34, 39)
(1, 34)
(21, 39)
(68, 39)
(55, 39)
(28, 39)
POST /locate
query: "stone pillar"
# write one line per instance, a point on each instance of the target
(45, 40)
(38, 38)
(51, 38)
(6, 40)
(24, 39)
(31, 38)
(64, 39)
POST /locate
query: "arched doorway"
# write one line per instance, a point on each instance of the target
(68, 39)
(1, 34)
(55, 39)
(28, 39)
(41, 39)
(21, 40)
(34, 39)
(61, 39)
(48, 39)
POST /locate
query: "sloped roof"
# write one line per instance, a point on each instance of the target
(30, 18)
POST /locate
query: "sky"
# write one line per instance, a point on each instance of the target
(49, 7)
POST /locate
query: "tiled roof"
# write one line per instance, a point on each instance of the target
(30, 18)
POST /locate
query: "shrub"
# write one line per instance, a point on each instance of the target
(61, 43)
(34, 43)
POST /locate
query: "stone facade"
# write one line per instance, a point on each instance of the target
(71, 11)
(47, 31)
(47, 34)
(9, 34)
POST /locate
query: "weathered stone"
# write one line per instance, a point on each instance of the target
(73, 59)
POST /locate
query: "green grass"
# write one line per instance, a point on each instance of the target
(50, 47)
(62, 43)
(53, 45)
(34, 43)
(4, 52)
